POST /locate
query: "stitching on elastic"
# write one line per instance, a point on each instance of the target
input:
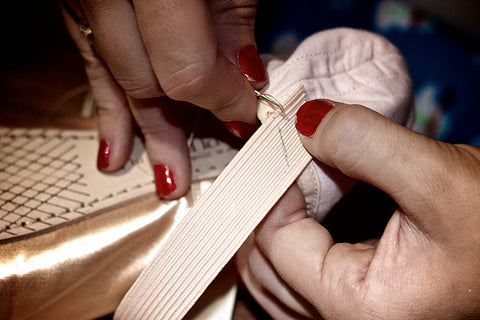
(318, 190)
(314, 176)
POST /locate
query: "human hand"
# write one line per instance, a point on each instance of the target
(144, 56)
(427, 263)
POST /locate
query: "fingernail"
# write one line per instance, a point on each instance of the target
(310, 114)
(103, 158)
(251, 65)
(164, 181)
(241, 129)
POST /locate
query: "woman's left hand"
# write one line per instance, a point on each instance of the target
(427, 263)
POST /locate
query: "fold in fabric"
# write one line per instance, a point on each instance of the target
(345, 65)
(82, 270)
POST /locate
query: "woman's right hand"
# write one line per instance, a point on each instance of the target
(143, 56)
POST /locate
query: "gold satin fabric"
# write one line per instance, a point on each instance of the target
(81, 270)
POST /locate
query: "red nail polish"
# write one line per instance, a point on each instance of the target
(103, 158)
(164, 181)
(241, 129)
(251, 65)
(310, 114)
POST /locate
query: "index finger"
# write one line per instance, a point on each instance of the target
(181, 42)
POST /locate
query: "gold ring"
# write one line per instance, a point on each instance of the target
(86, 32)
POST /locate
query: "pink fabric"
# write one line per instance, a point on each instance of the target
(345, 65)
(221, 220)
(349, 66)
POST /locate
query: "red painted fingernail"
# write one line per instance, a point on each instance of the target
(164, 181)
(241, 129)
(251, 65)
(310, 114)
(103, 158)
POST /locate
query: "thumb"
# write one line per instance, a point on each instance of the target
(358, 141)
(425, 177)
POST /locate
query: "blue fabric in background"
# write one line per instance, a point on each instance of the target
(443, 63)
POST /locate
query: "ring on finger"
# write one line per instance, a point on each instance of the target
(86, 32)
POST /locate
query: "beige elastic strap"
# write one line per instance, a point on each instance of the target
(208, 237)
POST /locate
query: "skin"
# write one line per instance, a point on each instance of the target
(146, 55)
(425, 266)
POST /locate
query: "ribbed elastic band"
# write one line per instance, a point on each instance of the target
(208, 237)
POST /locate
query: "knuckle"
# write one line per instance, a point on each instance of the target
(346, 134)
(108, 106)
(189, 83)
(450, 172)
(141, 87)
(138, 86)
(154, 134)
(106, 110)
(235, 11)
(90, 59)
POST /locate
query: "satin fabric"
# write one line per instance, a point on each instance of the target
(81, 270)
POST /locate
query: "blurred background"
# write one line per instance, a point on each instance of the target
(42, 81)
(40, 69)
